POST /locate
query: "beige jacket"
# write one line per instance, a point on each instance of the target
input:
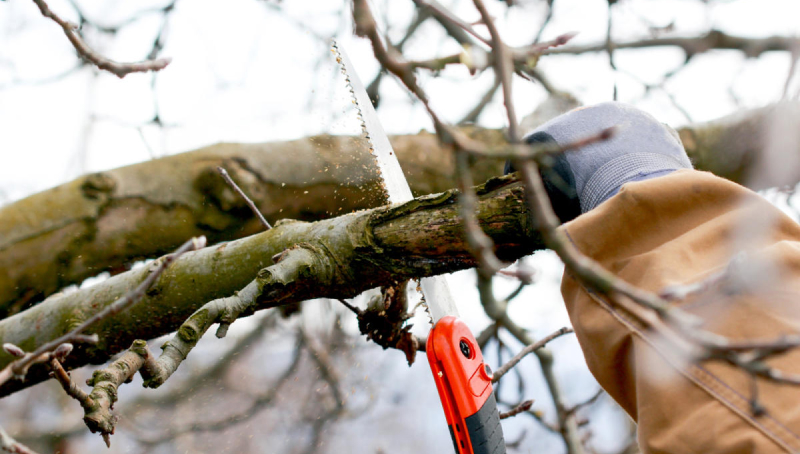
(678, 229)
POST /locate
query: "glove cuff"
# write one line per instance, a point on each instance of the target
(607, 180)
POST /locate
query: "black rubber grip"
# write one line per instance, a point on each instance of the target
(485, 432)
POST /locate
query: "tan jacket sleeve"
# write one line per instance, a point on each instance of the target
(679, 229)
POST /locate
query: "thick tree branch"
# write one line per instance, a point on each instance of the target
(106, 221)
(350, 254)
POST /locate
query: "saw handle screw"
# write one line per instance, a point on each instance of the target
(465, 350)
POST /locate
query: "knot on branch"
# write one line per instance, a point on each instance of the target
(97, 185)
(297, 270)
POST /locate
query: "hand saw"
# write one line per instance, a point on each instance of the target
(463, 380)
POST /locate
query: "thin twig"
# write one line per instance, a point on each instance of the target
(610, 45)
(253, 409)
(70, 387)
(692, 45)
(118, 69)
(247, 200)
(476, 111)
(326, 370)
(498, 374)
(352, 308)
(521, 408)
(545, 22)
(8, 444)
(442, 12)
(504, 66)
(586, 402)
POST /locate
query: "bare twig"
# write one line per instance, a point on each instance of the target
(247, 200)
(352, 308)
(586, 402)
(118, 69)
(538, 152)
(443, 13)
(70, 387)
(714, 39)
(498, 374)
(8, 444)
(504, 66)
(610, 44)
(326, 370)
(521, 408)
(476, 111)
(258, 404)
(567, 426)
(547, 18)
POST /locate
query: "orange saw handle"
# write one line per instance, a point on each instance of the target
(464, 382)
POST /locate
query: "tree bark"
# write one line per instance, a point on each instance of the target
(341, 258)
(106, 221)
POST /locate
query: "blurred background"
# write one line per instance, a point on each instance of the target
(249, 71)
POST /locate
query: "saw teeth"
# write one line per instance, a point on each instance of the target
(364, 130)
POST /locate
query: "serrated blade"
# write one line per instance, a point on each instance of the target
(395, 182)
(435, 289)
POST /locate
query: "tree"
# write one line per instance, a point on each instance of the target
(106, 221)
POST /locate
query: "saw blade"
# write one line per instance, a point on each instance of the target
(394, 181)
(435, 290)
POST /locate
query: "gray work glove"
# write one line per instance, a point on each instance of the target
(579, 180)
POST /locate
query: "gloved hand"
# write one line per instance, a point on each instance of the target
(579, 180)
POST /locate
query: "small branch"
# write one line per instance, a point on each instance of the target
(118, 69)
(199, 380)
(587, 402)
(714, 39)
(481, 246)
(539, 152)
(247, 200)
(259, 403)
(352, 308)
(280, 277)
(521, 408)
(8, 444)
(70, 387)
(545, 22)
(444, 15)
(105, 383)
(326, 370)
(610, 45)
(504, 66)
(476, 111)
(498, 374)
